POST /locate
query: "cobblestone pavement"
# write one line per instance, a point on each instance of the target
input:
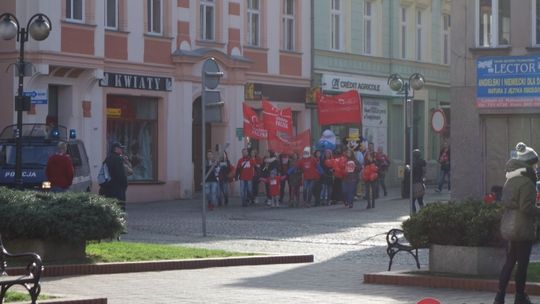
(346, 244)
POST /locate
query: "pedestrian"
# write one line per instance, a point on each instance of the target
(295, 181)
(274, 187)
(383, 162)
(211, 185)
(270, 163)
(518, 223)
(245, 171)
(310, 174)
(59, 170)
(419, 171)
(337, 189)
(254, 154)
(370, 176)
(116, 187)
(327, 177)
(223, 180)
(285, 164)
(350, 180)
(370, 153)
(317, 186)
(444, 172)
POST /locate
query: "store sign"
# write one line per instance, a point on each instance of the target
(114, 112)
(509, 81)
(37, 96)
(364, 85)
(140, 82)
(375, 122)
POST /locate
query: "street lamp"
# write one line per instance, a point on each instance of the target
(398, 84)
(39, 27)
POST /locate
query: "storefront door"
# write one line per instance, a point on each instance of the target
(196, 146)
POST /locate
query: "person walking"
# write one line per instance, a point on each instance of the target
(419, 171)
(284, 165)
(295, 181)
(211, 185)
(245, 171)
(327, 177)
(350, 180)
(308, 164)
(223, 180)
(59, 170)
(444, 172)
(116, 187)
(370, 176)
(518, 223)
(383, 162)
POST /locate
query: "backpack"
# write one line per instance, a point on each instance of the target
(103, 175)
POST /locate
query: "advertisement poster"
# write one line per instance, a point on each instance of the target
(509, 81)
(375, 122)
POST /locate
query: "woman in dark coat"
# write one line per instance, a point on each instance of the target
(518, 223)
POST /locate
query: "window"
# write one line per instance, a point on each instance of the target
(74, 10)
(111, 14)
(253, 20)
(288, 25)
(536, 23)
(154, 12)
(446, 39)
(133, 122)
(419, 28)
(337, 27)
(207, 19)
(493, 23)
(368, 30)
(403, 33)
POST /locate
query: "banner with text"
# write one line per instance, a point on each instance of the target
(276, 119)
(289, 144)
(339, 109)
(509, 81)
(253, 127)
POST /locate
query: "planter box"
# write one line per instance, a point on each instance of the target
(49, 250)
(466, 260)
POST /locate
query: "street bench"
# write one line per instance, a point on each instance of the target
(396, 242)
(30, 277)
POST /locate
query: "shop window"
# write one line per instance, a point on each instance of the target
(133, 122)
(446, 39)
(253, 20)
(111, 14)
(536, 22)
(368, 28)
(404, 33)
(74, 10)
(493, 23)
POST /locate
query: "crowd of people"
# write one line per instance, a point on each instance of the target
(315, 178)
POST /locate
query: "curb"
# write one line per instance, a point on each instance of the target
(71, 301)
(419, 280)
(126, 267)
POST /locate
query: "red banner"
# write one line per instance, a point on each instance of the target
(276, 119)
(252, 126)
(339, 109)
(286, 144)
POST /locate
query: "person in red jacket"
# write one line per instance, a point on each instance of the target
(59, 169)
(245, 170)
(310, 169)
(274, 187)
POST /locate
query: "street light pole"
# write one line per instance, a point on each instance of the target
(415, 82)
(39, 27)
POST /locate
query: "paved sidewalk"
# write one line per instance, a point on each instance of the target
(346, 243)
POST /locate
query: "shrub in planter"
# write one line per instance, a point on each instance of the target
(71, 217)
(459, 223)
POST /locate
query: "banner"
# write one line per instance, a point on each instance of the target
(276, 119)
(252, 126)
(339, 109)
(286, 144)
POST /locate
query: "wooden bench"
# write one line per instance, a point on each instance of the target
(397, 242)
(29, 279)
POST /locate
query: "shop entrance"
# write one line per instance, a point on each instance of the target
(196, 142)
(501, 134)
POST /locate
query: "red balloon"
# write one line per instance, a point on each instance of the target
(489, 198)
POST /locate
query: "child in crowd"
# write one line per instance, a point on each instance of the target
(295, 181)
(274, 187)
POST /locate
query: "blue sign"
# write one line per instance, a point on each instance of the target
(510, 81)
(38, 97)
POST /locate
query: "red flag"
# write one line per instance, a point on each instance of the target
(252, 126)
(276, 119)
(339, 109)
(286, 144)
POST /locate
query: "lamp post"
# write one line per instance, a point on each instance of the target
(39, 27)
(398, 84)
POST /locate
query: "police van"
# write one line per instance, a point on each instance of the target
(39, 141)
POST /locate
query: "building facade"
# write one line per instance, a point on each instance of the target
(118, 70)
(358, 44)
(494, 77)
